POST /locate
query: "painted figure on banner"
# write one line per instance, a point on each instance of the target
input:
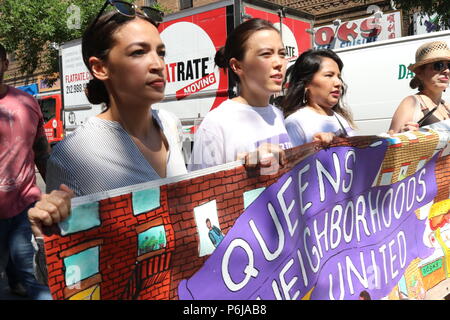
(215, 234)
(208, 227)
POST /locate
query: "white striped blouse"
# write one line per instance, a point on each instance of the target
(101, 156)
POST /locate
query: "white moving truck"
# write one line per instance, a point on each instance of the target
(192, 37)
(74, 78)
(378, 79)
(195, 85)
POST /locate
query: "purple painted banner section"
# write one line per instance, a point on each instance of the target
(321, 231)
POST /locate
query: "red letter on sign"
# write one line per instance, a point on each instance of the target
(370, 28)
(320, 33)
(344, 32)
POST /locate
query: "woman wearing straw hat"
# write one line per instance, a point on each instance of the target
(432, 73)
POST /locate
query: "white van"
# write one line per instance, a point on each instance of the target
(378, 79)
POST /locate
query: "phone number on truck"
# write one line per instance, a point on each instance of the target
(75, 88)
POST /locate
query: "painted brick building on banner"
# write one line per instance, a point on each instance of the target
(145, 274)
(167, 246)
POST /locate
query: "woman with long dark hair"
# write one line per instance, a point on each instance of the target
(313, 101)
(128, 143)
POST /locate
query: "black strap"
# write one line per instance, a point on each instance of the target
(427, 112)
(343, 129)
(426, 116)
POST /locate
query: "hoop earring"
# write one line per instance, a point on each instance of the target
(304, 100)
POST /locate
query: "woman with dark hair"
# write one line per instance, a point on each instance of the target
(128, 143)
(432, 72)
(254, 56)
(313, 101)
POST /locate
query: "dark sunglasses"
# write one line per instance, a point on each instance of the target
(441, 65)
(131, 10)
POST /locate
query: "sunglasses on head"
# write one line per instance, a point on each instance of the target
(131, 10)
(441, 65)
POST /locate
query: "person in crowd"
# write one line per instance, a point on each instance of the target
(364, 295)
(313, 104)
(23, 145)
(432, 72)
(128, 143)
(254, 56)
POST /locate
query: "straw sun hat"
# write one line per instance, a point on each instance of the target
(430, 52)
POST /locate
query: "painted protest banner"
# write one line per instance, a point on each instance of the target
(366, 218)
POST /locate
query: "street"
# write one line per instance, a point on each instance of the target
(4, 288)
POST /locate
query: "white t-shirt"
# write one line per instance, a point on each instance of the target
(233, 128)
(303, 124)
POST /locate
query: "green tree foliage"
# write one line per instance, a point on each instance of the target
(162, 8)
(33, 29)
(429, 7)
